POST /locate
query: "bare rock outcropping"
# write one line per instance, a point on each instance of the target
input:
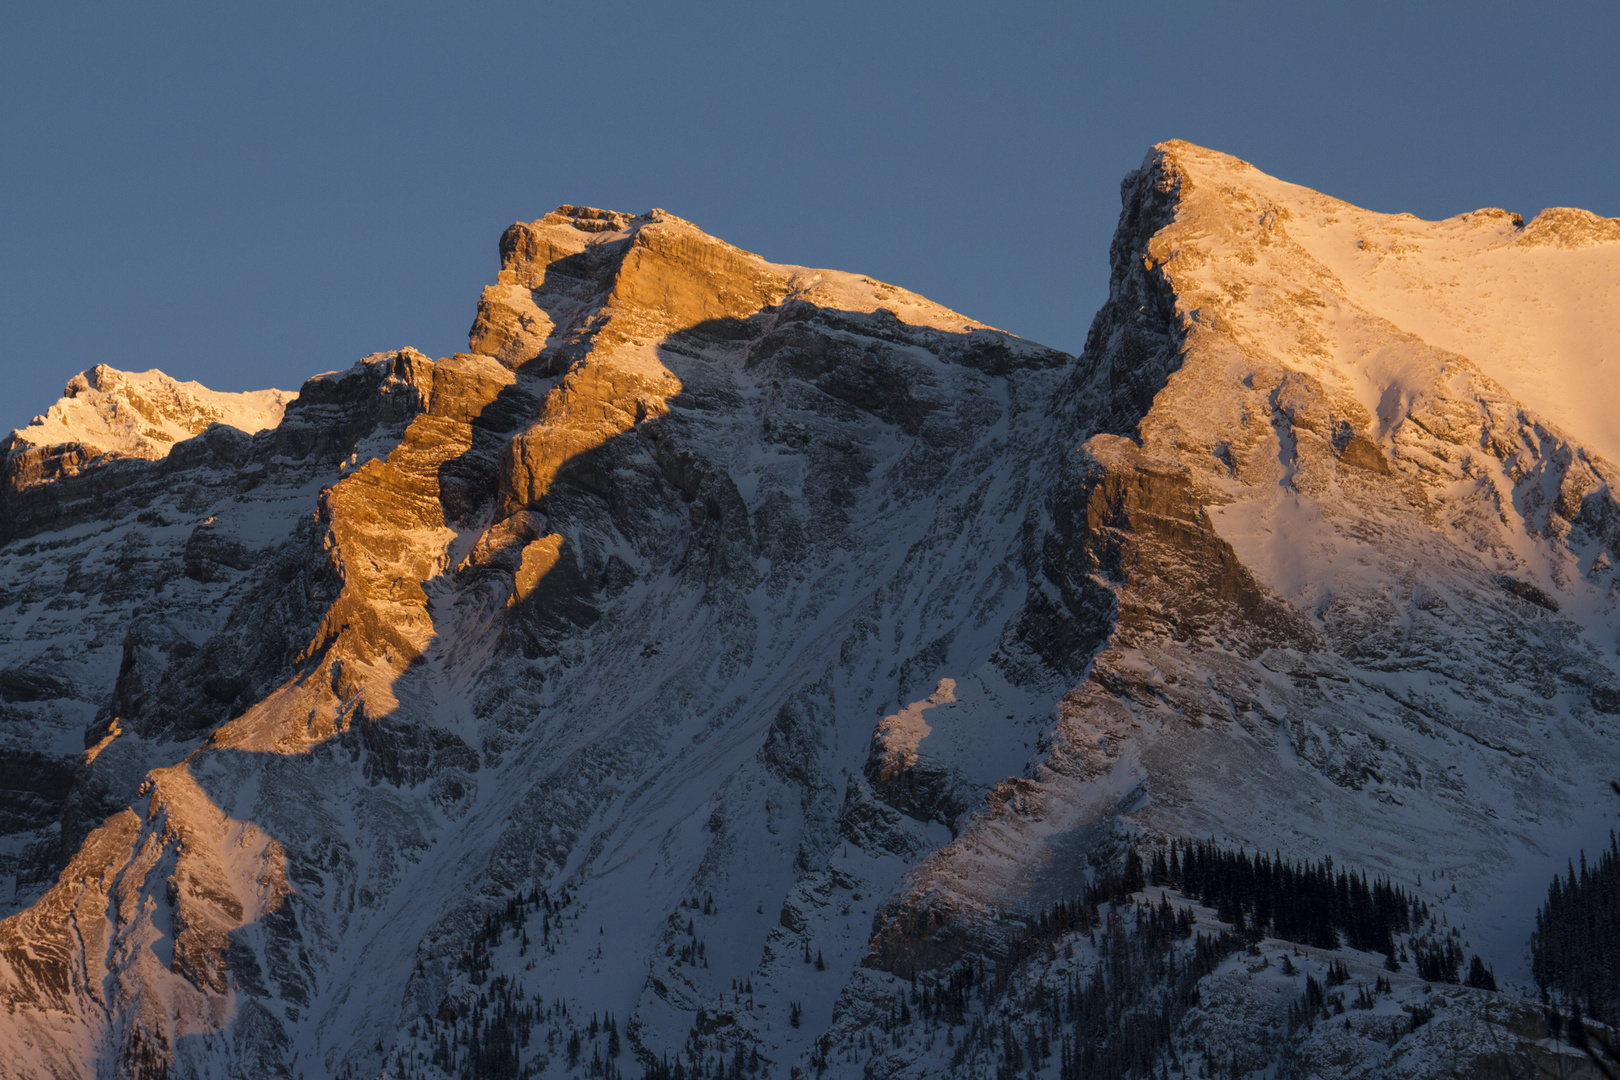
(730, 662)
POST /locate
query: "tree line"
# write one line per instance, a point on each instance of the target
(1575, 947)
(1306, 903)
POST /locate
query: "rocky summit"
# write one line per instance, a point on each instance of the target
(732, 669)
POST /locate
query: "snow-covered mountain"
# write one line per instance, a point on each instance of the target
(810, 641)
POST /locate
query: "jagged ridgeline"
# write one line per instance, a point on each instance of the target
(1575, 951)
(715, 661)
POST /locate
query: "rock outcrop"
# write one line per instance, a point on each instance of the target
(810, 641)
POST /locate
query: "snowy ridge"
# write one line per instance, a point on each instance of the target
(743, 652)
(1365, 598)
(1532, 307)
(143, 414)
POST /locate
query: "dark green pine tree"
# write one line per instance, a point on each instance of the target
(1575, 948)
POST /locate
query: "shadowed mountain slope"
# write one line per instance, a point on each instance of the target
(745, 652)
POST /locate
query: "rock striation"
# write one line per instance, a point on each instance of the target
(740, 655)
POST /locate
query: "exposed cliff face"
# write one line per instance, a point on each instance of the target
(802, 636)
(104, 411)
(61, 467)
(1341, 595)
(462, 627)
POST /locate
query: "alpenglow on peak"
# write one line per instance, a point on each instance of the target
(734, 668)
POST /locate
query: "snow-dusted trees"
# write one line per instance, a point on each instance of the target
(1311, 904)
(1575, 949)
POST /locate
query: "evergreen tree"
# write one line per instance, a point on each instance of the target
(1575, 948)
(1301, 902)
(1479, 976)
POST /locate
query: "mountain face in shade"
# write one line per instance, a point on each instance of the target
(729, 667)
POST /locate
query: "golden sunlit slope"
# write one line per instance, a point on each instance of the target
(1535, 307)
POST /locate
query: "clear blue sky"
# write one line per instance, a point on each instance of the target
(249, 194)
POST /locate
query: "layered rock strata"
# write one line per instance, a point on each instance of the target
(803, 638)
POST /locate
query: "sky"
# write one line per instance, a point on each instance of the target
(247, 195)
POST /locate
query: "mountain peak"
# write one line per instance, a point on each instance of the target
(143, 414)
(1284, 269)
(578, 271)
(811, 640)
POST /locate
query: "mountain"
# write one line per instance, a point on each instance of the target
(848, 664)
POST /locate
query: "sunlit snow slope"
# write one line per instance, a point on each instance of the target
(141, 414)
(720, 662)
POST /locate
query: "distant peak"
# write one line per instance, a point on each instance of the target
(144, 413)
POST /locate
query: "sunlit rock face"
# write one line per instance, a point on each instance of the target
(744, 651)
